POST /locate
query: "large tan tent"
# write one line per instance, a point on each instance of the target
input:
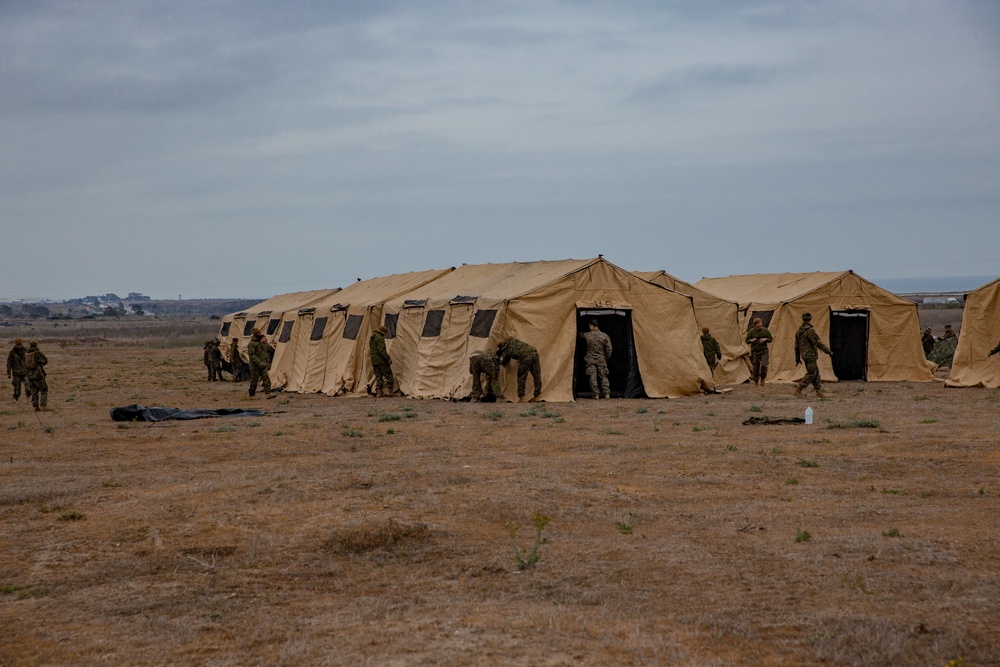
(434, 329)
(722, 317)
(265, 316)
(874, 334)
(321, 347)
(972, 366)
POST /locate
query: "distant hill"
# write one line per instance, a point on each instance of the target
(151, 308)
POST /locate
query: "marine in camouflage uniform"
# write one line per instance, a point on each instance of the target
(214, 362)
(208, 361)
(235, 360)
(596, 360)
(527, 361)
(257, 352)
(381, 363)
(807, 346)
(15, 369)
(758, 337)
(713, 353)
(482, 363)
(948, 333)
(34, 364)
(927, 340)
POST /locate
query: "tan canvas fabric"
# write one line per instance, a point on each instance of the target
(537, 302)
(722, 317)
(972, 366)
(894, 349)
(261, 314)
(331, 363)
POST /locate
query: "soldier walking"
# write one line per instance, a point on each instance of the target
(207, 357)
(34, 365)
(214, 361)
(759, 338)
(807, 344)
(381, 363)
(596, 360)
(713, 353)
(482, 363)
(527, 361)
(927, 340)
(235, 360)
(16, 370)
(257, 352)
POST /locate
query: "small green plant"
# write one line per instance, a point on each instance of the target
(808, 464)
(792, 481)
(389, 417)
(72, 515)
(124, 425)
(756, 408)
(920, 398)
(699, 428)
(641, 411)
(802, 535)
(390, 431)
(524, 559)
(928, 421)
(351, 433)
(777, 450)
(732, 448)
(558, 420)
(225, 428)
(7, 590)
(612, 432)
(892, 532)
(494, 415)
(253, 424)
(821, 441)
(624, 528)
(50, 429)
(958, 662)
(891, 492)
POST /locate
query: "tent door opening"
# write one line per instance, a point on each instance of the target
(849, 344)
(623, 366)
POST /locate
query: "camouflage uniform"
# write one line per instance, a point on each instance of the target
(596, 359)
(208, 360)
(214, 362)
(927, 340)
(482, 363)
(34, 364)
(16, 370)
(759, 353)
(258, 364)
(381, 363)
(807, 346)
(713, 353)
(527, 360)
(235, 360)
(948, 333)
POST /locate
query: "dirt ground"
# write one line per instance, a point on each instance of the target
(359, 531)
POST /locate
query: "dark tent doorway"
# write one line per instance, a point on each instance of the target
(623, 367)
(849, 344)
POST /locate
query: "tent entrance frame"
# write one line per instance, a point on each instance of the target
(849, 335)
(624, 379)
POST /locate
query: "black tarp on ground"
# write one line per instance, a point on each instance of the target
(140, 413)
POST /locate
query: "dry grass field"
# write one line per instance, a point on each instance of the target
(359, 531)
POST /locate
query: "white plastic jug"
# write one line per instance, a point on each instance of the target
(809, 415)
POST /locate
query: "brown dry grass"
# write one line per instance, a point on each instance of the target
(362, 531)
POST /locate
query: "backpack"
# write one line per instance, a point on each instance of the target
(29, 361)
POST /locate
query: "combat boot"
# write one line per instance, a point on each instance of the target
(820, 394)
(798, 391)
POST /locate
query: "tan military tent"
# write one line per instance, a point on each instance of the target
(434, 329)
(722, 318)
(874, 334)
(322, 347)
(265, 316)
(972, 366)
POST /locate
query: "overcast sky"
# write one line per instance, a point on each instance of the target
(247, 148)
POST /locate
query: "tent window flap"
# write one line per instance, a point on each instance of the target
(353, 326)
(482, 324)
(286, 331)
(319, 326)
(390, 324)
(432, 324)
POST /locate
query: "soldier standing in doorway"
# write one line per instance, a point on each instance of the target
(596, 360)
